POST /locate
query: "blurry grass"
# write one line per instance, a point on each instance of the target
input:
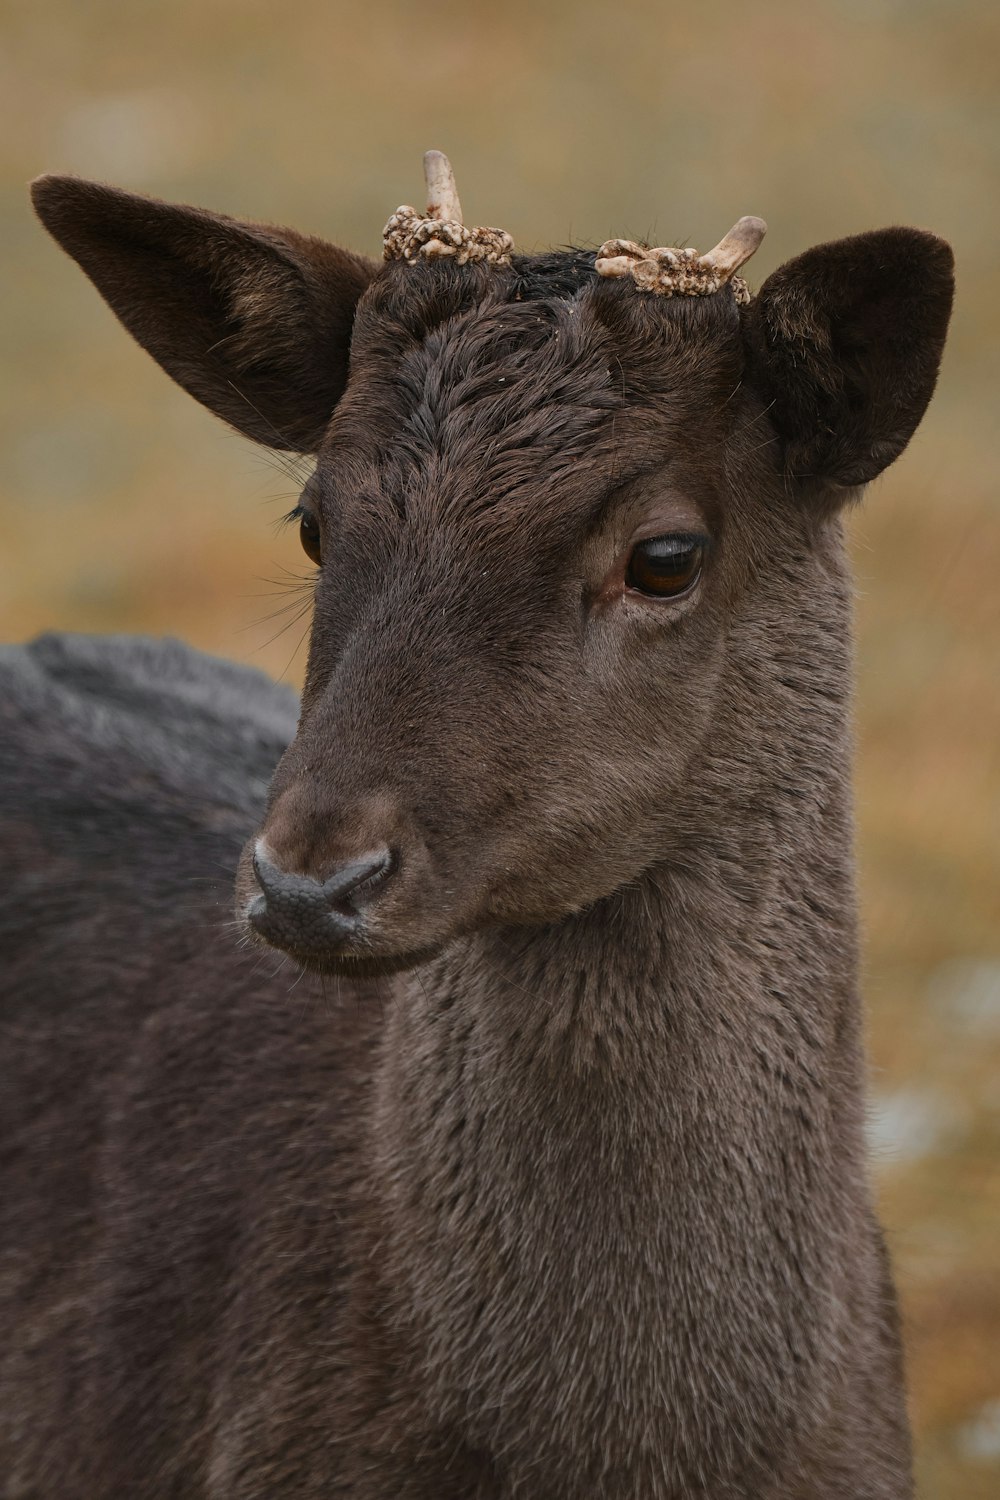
(927, 554)
(122, 507)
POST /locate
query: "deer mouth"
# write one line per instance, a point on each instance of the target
(347, 966)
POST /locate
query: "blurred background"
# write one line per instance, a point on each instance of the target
(124, 507)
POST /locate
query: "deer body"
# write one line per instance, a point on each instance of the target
(561, 1192)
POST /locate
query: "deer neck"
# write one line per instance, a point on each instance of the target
(628, 1147)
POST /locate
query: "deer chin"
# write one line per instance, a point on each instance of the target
(361, 965)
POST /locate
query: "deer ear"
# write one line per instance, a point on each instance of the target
(255, 322)
(845, 343)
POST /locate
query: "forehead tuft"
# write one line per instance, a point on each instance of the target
(408, 304)
(477, 387)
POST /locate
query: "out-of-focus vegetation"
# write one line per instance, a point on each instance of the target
(124, 507)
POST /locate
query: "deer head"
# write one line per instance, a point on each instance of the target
(570, 514)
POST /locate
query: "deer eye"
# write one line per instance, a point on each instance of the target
(308, 533)
(665, 566)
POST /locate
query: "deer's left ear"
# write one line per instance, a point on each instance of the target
(844, 345)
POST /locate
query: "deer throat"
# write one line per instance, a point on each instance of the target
(619, 1170)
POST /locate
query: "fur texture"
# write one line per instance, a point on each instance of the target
(561, 1191)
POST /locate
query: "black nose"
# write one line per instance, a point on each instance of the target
(308, 917)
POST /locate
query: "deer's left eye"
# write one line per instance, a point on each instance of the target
(664, 567)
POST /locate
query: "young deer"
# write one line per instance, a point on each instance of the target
(561, 1192)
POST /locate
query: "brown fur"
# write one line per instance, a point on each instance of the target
(563, 1192)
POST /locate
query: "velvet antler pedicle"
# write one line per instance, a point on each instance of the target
(685, 273)
(440, 232)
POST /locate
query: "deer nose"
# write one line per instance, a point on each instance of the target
(308, 916)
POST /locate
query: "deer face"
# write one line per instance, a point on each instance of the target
(551, 515)
(520, 512)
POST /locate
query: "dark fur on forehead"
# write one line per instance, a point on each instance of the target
(472, 385)
(417, 298)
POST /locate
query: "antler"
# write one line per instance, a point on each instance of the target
(442, 194)
(736, 248)
(441, 231)
(685, 273)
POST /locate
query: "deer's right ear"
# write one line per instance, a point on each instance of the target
(254, 321)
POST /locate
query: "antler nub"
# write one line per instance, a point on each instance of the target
(737, 247)
(440, 232)
(685, 273)
(442, 194)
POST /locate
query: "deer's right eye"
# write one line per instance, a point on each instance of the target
(664, 567)
(308, 533)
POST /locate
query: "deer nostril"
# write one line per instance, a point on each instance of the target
(351, 885)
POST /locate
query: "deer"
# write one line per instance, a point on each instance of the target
(551, 1179)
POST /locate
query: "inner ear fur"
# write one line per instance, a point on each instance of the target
(254, 321)
(845, 343)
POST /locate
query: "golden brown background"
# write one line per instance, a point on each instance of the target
(123, 507)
